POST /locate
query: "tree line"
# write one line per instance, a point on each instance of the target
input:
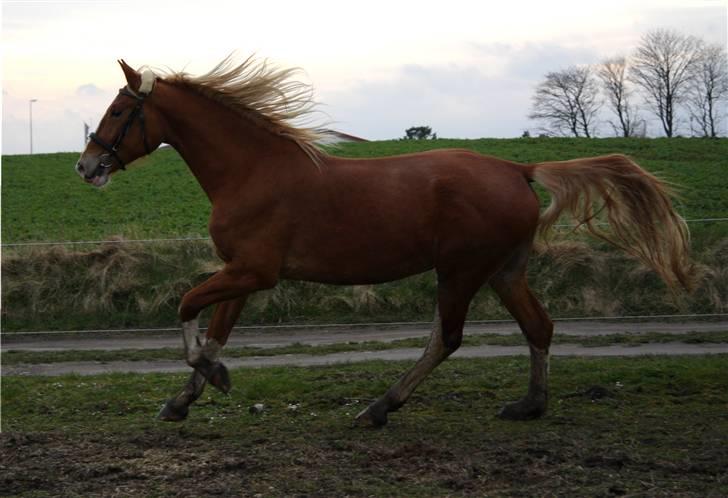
(674, 76)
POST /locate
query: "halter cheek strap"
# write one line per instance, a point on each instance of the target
(145, 88)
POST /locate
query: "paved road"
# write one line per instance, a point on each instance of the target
(93, 368)
(316, 337)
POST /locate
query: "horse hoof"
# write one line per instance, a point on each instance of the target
(375, 415)
(172, 412)
(219, 377)
(525, 409)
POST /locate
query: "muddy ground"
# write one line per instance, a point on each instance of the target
(653, 426)
(190, 464)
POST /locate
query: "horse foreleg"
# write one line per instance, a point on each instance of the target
(538, 329)
(203, 354)
(204, 351)
(176, 409)
(230, 287)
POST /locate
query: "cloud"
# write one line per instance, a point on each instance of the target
(455, 100)
(531, 61)
(89, 90)
(706, 22)
(489, 96)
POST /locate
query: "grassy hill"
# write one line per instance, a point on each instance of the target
(140, 284)
(43, 198)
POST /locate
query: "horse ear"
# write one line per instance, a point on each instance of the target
(133, 78)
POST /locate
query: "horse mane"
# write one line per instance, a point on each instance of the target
(264, 90)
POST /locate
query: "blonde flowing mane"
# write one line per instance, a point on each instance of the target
(256, 87)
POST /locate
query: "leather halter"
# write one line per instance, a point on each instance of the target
(112, 149)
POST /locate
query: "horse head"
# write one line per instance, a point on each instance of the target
(129, 129)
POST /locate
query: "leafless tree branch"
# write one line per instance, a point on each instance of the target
(613, 75)
(662, 65)
(709, 90)
(567, 102)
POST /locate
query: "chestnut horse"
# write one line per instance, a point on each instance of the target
(283, 209)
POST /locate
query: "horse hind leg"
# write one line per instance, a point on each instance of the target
(454, 297)
(536, 325)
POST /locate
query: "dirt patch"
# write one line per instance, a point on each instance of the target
(185, 464)
(653, 426)
(93, 465)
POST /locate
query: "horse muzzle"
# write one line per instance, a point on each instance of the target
(96, 175)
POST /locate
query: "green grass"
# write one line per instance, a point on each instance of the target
(660, 432)
(139, 285)
(43, 198)
(28, 357)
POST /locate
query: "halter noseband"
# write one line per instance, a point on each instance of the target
(138, 111)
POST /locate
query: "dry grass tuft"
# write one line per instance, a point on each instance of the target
(117, 285)
(111, 277)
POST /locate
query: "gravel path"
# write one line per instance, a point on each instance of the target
(93, 368)
(271, 338)
(284, 337)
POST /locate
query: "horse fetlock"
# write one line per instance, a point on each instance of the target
(198, 346)
(215, 372)
(203, 350)
(527, 408)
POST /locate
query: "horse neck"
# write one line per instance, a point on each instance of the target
(223, 149)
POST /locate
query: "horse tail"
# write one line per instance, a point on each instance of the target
(637, 205)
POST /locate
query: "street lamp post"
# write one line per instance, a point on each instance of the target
(30, 112)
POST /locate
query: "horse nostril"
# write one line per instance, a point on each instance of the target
(80, 169)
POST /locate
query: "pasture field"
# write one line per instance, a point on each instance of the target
(43, 198)
(649, 426)
(139, 285)
(653, 426)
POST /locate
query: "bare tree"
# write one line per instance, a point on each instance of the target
(709, 90)
(613, 74)
(567, 102)
(662, 66)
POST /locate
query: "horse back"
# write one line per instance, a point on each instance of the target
(391, 217)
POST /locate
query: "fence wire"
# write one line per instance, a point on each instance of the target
(308, 326)
(189, 239)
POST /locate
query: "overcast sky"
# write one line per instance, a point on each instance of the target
(468, 69)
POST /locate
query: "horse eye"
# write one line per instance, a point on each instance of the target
(115, 114)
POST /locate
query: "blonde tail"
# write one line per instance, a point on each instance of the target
(637, 205)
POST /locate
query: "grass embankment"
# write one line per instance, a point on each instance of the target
(43, 198)
(29, 357)
(661, 430)
(114, 286)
